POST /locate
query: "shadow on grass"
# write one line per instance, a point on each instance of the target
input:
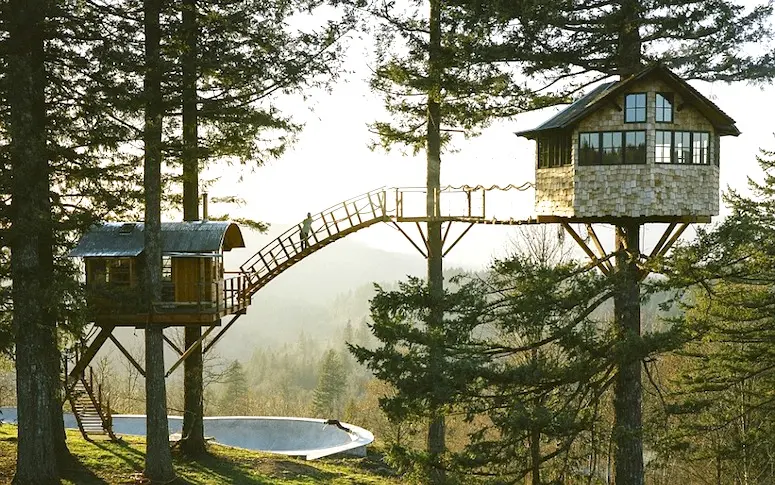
(74, 470)
(246, 469)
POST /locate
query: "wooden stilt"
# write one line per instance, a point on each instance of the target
(223, 330)
(465, 231)
(172, 344)
(127, 355)
(598, 245)
(583, 245)
(408, 238)
(190, 350)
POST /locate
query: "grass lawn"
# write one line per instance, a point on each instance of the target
(103, 462)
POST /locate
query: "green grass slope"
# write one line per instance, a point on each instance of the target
(103, 462)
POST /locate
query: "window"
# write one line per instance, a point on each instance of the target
(553, 151)
(634, 147)
(682, 147)
(612, 148)
(701, 148)
(589, 148)
(635, 108)
(118, 271)
(664, 108)
(687, 147)
(663, 144)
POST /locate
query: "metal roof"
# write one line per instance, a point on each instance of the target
(593, 100)
(126, 239)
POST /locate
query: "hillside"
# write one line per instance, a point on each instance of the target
(103, 462)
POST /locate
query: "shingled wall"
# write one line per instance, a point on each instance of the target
(633, 190)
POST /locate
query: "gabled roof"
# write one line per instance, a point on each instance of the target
(126, 239)
(595, 99)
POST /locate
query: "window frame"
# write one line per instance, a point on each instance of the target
(623, 148)
(557, 148)
(672, 150)
(670, 98)
(636, 108)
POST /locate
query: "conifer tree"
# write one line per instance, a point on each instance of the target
(329, 393)
(158, 458)
(31, 239)
(562, 46)
(722, 403)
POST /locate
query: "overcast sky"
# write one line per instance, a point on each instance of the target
(331, 161)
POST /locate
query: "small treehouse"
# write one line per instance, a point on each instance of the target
(195, 289)
(644, 147)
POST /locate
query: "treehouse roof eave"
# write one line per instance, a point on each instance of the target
(604, 93)
(126, 239)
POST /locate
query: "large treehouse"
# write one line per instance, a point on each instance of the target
(644, 147)
(195, 288)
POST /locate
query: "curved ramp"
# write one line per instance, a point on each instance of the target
(407, 204)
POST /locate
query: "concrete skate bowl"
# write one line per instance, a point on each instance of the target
(305, 437)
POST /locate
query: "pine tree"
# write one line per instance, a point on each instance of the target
(722, 405)
(329, 394)
(31, 240)
(158, 458)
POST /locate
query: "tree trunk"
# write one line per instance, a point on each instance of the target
(628, 427)
(535, 455)
(158, 458)
(31, 254)
(628, 51)
(193, 442)
(436, 429)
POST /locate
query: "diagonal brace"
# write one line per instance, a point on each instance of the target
(583, 245)
(194, 347)
(456, 240)
(223, 330)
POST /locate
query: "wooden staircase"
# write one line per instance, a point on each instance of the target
(91, 409)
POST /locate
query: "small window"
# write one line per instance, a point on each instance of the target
(682, 147)
(635, 108)
(664, 108)
(589, 148)
(634, 147)
(612, 148)
(553, 151)
(664, 142)
(700, 148)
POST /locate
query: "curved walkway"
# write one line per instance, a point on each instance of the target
(381, 205)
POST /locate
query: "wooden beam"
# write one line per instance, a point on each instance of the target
(662, 240)
(673, 239)
(600, 264)
(194, 347)
(598, 245)
(127, 355)
(172, 344)
(89, 354)
(219, 334)
(456, 240)
(423, 237)
(424, 254)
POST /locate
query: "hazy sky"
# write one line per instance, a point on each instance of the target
(331, 161)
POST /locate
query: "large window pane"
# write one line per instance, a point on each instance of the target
(589, 148)
(663, 146)
(700, 144)
(635, 147)
(664, 108)
(612, 148)
(682, 148)
(635, 108)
